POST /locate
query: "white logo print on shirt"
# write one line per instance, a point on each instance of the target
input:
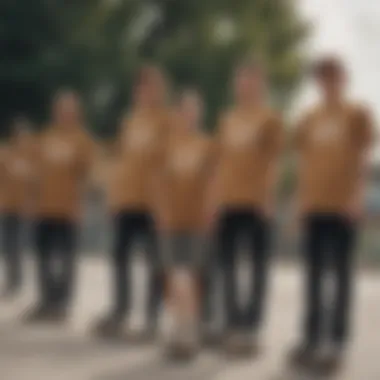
(240, 135)
(19, 168)
(59, 151)
(186, 160)
(327, 132)
(139, 138)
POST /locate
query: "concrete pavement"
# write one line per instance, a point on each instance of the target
(69, 353)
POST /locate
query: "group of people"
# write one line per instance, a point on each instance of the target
(183, 191)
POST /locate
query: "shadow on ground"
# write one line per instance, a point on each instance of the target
(204, 368)
(49, 342)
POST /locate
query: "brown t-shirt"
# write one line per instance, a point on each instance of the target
(331, 146)
(141, 144)
(17, 170)
(249, 145)
(65, 158)
(188, 166)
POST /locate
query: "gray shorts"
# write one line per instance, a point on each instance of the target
(184, 249)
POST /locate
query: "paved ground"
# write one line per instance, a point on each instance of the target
(69, 353)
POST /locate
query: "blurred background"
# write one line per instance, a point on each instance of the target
(95, 46)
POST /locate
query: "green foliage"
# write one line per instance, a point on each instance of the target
(38, 56)
(96, 46)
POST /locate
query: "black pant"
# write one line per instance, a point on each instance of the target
(56, 242)
(127, 227)
(209, 278)
(234, 225)
(12, 247)
(329, 242)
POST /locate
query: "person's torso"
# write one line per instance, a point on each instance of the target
(61, 173)
(245, 159)
(143, 139)
(18, 172)
(330, 159)
(187, 171)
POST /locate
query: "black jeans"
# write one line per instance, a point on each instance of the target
(128, 226)
(209, 277)
(12, 250)
(234, 225)
(329, 243)
(56, 242)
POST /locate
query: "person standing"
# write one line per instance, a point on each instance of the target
(332, 142)
(250, 138)
(140, 146)
(65, 157)
(16, 173)
(189, 163)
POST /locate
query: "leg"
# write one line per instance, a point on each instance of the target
(67, 254)
(226, 244)
(315, 235)
(342, 267)
(259, 239)
(184, 301)
(184, 251)
(43, 239)
(124, 232)
(341, 241)
(12, 251)
(207, 280)
(315, 265)
(156, 276)
(44, 234)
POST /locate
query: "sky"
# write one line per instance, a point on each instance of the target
(350, 28)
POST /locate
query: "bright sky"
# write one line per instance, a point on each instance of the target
(350, 28)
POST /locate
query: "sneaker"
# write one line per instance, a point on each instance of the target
(37, 313)
(183, 347)
(302, 356)
(143, 336)
(56, 314)
(234, 342)
(329, 359)
(211, 339)
(10, 292)
(250, 343)
(182, 351)
(109, 326)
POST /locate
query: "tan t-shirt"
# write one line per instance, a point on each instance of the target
(249, 146)
(141, 145)
(331, 147)
(17, 172)
(65, 158)
(187, 170)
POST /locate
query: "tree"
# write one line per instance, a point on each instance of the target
(41, 51)
(96, 45)
(199, 41)
(24, 33)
